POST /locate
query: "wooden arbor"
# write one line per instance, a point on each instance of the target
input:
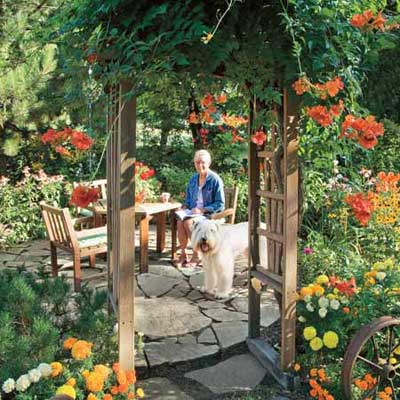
(276, 189)
(273, 188)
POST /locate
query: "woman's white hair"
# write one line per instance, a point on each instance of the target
(204, 154)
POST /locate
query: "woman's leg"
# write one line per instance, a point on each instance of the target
(183, 239)
(188, 226)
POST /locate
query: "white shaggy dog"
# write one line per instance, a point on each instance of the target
(219, 245)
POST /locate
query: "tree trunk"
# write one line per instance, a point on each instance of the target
(194, 128)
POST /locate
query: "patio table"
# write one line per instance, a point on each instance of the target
(144, 212)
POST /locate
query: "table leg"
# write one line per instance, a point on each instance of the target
(144, 243)
(173, 235)
(161, 222)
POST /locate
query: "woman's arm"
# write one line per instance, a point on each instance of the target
(218, 196)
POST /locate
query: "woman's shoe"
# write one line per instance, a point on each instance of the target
(182, 261)
(195, 261)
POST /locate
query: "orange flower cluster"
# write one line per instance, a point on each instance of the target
(324, 116)
(235, 137)
(234, 121)
(361, 205)
(318, 376)
(81, 349)
(385, 394)
(323, 90)
(208, 103)
(68, 343)
(82, 196)
(367, 383)
(387, 182)
(367, 21)
(365, 131)
(66, 140)
(124, 380)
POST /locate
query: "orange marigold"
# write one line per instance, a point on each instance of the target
(68, 343)
(130, 377)
(103, 370)
(56, 368)
(115, 367)
(81, 350)
(123, 388)
(121, 377)
(91, 396)
(114, 390)
(71, 382)
(107, 396)
(94, 382)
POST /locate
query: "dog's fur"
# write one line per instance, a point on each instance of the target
(218, 246)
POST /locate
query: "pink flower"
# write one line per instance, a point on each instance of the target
(308, 250)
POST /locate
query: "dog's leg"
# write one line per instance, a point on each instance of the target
(210, 278)
(225, 278)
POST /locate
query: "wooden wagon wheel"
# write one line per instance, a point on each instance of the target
(371, 364)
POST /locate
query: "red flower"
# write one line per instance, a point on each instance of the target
(221, 98)
(259, 138)
(361, 205)
(379, 22)
(336, 109)
(91, 58)
(193, 118)
(320, 115)
(203, 132)
(207, 100)
(49, 136)
(235, 137)
(82, 196)
(80, 140)
(347, 287)
(358, 20)
(147, 174)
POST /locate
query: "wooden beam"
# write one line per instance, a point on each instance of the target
(290, 229)
(254, 220)
(125, 175)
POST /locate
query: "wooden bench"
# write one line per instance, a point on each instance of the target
(62, 234)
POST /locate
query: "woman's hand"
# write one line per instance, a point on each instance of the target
(196, 211)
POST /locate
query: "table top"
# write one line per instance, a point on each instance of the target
(144, 209)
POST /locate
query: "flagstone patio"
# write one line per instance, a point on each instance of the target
(179, 323)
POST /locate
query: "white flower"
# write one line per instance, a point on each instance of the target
(310, 307)
(335, 171)
(45, 369)
(34, 375)
(301, 319)
(335, 304)
(307, 298)
(322, 312)
(115, 329)
(380, 275)
(323, 302)
(8, 385)
(23, 383)
(335, 163)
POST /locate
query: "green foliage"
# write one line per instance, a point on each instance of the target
(175, 180)
(20, 217)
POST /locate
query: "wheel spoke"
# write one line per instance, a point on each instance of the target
(375, 348)
(391, 330)
(376, 367)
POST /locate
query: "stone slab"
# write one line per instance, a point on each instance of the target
(207, 304)
(161, 353)
(207, 337)
(168, 317)
(189, 271)
(165, 269)
(222, 315)
(230, 333)
(155, 285)
(197, 280)
(238, 373)
(162, 389)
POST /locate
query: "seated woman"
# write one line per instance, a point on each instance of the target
(204, 196)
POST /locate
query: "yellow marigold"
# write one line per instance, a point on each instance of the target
(316, 344)
(397, 351)
(103, 370)
(330, 339)
(85, 373)
(71, 382)
(81, 349)
(56, 368)
(68, 343)
(140, 393)
(67, 390)
(313, 372)
(297, 367)
(94, 382)
(91, 396)
(322, 279)
(309, 332)
(393, 360)
(306, 291)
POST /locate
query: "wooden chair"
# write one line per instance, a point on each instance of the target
(231, 198)
(62, 234)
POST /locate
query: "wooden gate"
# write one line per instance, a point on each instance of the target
(273, 192)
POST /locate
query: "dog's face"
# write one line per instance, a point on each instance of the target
(206, 235)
